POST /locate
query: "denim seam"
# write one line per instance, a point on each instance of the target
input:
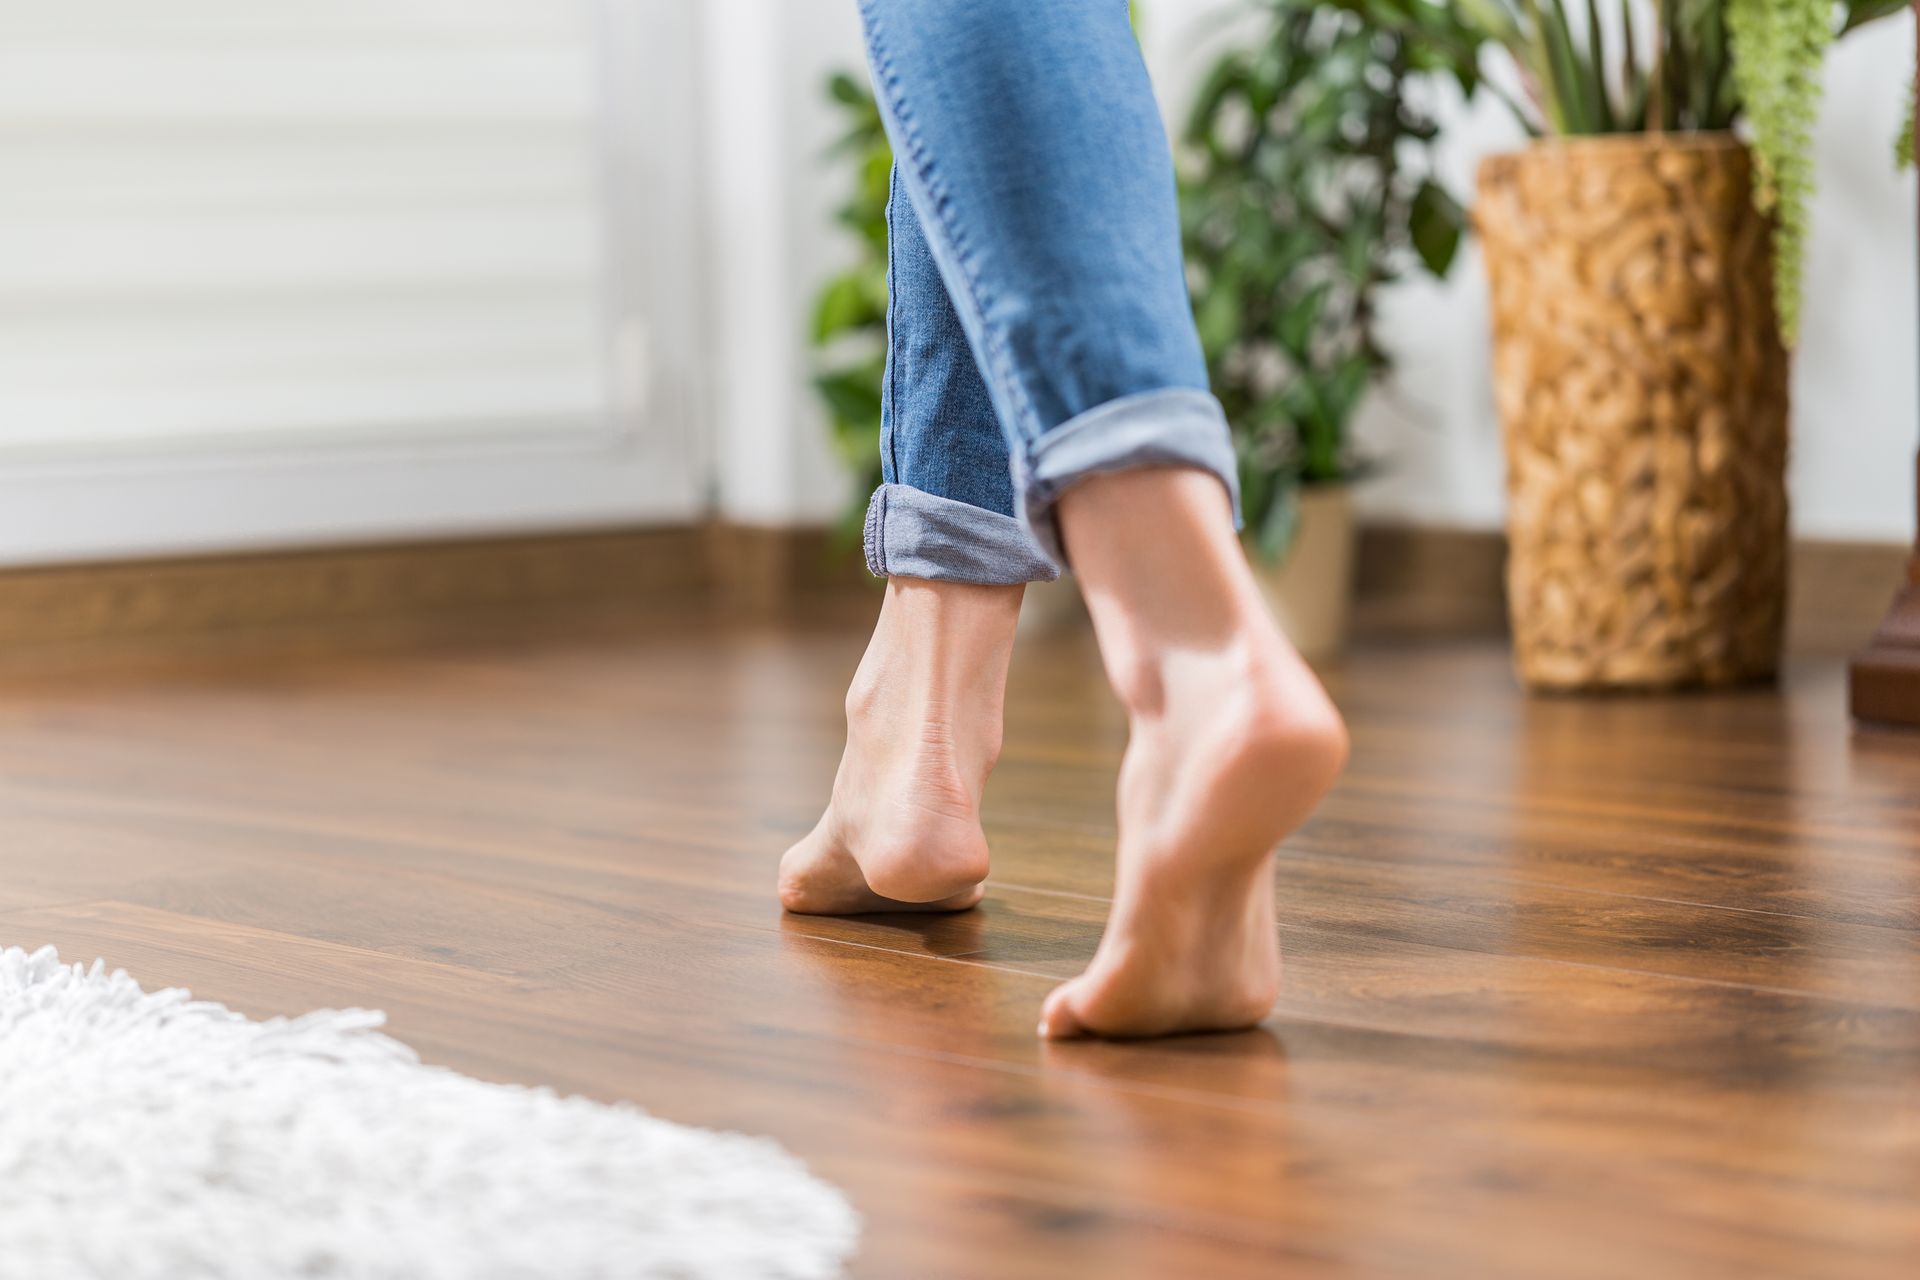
(874, 535)
(894, 103)
(889, 404)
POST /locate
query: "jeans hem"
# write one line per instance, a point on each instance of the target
(1176, 427)
(911, 533)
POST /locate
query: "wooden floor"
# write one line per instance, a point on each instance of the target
(1575, 988)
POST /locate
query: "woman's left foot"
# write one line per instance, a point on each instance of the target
(902, 830)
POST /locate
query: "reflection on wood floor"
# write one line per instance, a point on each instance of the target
(1575, 988)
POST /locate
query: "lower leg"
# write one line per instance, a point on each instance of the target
(1232, 741)
(902, 830)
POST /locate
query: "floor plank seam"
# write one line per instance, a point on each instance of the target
(972, 957)
(1329, 855)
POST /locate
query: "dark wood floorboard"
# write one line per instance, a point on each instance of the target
(1575, 988)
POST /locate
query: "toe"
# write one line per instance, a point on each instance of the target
(1059, 1019)
(816, 876)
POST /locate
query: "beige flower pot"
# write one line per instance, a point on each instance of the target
(1642, 391)
(1310, 590)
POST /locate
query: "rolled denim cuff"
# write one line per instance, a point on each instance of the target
(914, 534)
(1178, 427)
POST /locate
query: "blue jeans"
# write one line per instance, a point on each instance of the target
(1038, 327)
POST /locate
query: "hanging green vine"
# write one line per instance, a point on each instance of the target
(1778, 46)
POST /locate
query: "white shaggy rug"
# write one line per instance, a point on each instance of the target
(148, 1136)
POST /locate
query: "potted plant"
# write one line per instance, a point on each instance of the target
(1644, 263)
(1307, 186)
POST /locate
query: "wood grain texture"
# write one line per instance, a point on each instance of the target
(308, 601)
(288, 599)
(1575, 988)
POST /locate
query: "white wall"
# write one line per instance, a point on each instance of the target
(1856, 404)
(1856, 419)
(771, 242)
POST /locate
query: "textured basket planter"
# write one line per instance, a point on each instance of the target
(1310, 589)
(1642, 391)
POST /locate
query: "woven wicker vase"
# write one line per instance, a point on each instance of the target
(1642, 391)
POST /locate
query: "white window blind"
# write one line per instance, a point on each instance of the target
(273, 219)
(282, 272)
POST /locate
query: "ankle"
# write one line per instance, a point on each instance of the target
(1161, 570)
(969, 612)
(1249, 698)
(1157, 544)
(1255, 698)
(935, 644)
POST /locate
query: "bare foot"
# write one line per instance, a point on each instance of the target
(902, 831)
(1232, 743)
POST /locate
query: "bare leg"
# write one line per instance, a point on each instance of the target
(902, 831)
(1232, 742)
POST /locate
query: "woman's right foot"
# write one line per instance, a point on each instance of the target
(924, 714)
(1233, 756)
(1232, 743)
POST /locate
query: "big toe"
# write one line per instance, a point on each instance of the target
(1060, 1014)
(816, 876)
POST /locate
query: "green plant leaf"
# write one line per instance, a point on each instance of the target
(1343, 391)
(843, 88)
(1300, 320)
(1274, 537)
(841, 307)
(1226, 79)
(1778, 48)
(1903, 145)
(1861, 12)
(853, 395)
(1575, 88)
(1597, 69)
(1218, 316)
(1435, 221)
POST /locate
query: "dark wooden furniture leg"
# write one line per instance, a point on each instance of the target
(1884, 680)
